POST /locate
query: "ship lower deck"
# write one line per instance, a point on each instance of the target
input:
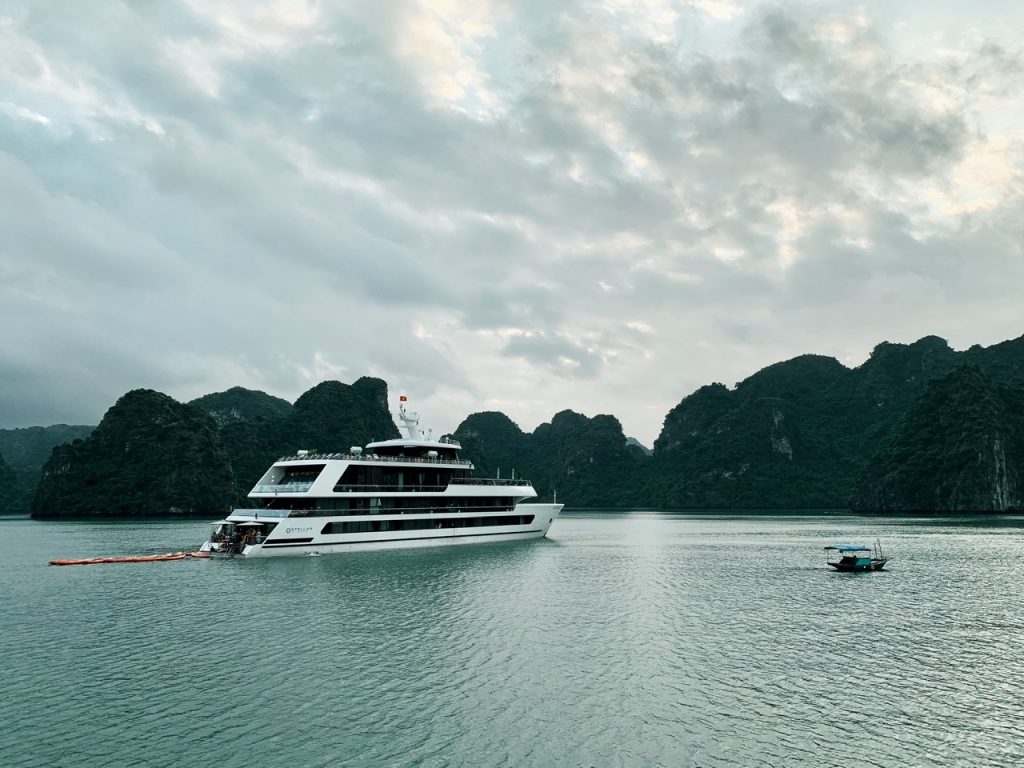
(318, 536)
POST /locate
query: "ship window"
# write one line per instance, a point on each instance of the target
(387, 478)
(305, 473)
(330, 507)
(376, 526)
(480, 503)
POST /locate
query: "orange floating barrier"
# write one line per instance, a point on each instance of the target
(135, 559)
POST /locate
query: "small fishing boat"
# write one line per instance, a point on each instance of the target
(853, 558)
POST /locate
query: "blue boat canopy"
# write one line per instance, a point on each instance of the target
(849, 548)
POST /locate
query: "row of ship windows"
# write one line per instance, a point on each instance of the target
(400, 506)
(375, 526)
(405, 511)
(377, 477)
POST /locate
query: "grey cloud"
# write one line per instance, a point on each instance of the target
(557, 353)
(319, 205)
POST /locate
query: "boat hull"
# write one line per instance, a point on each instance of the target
(338, 548)
(874, 565)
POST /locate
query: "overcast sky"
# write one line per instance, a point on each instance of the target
(522, 206)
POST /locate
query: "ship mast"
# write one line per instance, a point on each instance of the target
(410, 420)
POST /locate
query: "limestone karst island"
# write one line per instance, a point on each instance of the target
(917, 428)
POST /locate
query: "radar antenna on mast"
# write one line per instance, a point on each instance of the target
(410, 420)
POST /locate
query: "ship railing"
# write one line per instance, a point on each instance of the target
(375, 457)
(408, 487)
(370, 487)
(487, 481)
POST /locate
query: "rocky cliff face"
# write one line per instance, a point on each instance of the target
(150, 456)
(958, 448)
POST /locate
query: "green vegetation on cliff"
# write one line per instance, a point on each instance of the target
(28, 448)
(239, 404)
(154, 456)
(333, 416)
(25, 451)
(13, 491)
(764, 444)
(798, 433)
(493, 442)
(585, 460)
(959, 448)
(149, 456)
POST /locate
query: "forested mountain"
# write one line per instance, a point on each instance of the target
(493, 442)
(152, 455)
(329, 417)
(13, 490)
(798, 433)
(29, 447)
(892, 434)
(585, 460)
(767, 443)
(25, 451)
(958, 448)
(149, 456)
(240, 404)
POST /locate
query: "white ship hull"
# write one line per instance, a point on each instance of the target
(279, 545)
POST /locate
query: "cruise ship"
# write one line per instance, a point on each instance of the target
(408, 492)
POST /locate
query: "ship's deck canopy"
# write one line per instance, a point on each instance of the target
(403, 442)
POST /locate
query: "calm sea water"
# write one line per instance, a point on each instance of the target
(635, 640)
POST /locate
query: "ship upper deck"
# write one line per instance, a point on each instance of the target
(444, 444)
(373, 458)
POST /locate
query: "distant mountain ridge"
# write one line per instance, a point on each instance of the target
(25, 450)
(14, 490)
(803, 433)
(29, 447)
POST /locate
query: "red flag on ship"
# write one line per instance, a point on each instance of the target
(402, 398)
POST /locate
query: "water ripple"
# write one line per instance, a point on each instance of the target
(642, 640)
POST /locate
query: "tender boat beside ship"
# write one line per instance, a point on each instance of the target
(407, 492)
